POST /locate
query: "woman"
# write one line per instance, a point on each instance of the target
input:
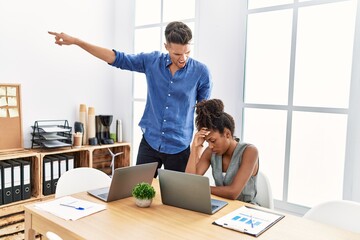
(234, 164)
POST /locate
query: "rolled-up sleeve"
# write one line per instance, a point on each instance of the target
(131, 62)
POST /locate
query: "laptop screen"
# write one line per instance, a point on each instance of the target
(188, 191)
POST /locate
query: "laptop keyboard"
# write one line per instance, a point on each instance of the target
(103, 195)
(213, 207)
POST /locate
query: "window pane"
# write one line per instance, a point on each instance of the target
(139, 107)
(268, 57)
(324, 55)
(147, 39)
(143, 15)
(140, 86)
(317, 157)
(267, 3)
(178, 10)
(269, 137)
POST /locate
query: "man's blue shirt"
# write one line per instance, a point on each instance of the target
(168, 119)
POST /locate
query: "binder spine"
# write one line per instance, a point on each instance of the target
(55, 172)
(15, 180)
(25, 178)
(7, 182)
(1, 185)
(47, 178)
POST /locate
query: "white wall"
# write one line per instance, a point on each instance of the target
(219, 45)
(55, 80)
(124, 41)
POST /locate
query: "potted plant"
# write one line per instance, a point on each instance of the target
(143, 194)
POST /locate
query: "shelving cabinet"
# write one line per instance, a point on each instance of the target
(99, 156)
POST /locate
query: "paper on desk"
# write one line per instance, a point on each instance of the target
(70, 213)
(249, 220)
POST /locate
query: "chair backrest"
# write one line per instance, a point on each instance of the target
(80, 180)
(264, 193)
(340, 213)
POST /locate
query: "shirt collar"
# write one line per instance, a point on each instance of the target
(168, 62)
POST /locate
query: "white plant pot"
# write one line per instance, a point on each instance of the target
(143, 202)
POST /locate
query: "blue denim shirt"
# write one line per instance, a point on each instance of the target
(168, 119)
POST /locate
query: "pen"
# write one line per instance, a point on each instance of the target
(252, 223)
(68, 205)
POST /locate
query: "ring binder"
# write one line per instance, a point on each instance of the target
(15, 179)
(25, 178)
(1, 184)
(47, 178)
(7, 182)
(55, 172)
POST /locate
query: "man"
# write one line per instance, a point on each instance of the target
(175, 83)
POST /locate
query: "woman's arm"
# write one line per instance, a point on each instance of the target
(248, 167)
(199, 160)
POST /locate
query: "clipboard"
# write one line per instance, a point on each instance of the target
(248, 220)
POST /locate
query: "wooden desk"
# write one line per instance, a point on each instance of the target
(124, 220)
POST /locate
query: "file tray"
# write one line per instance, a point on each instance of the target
(51, 134)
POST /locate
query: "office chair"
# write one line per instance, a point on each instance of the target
(264, 193)
(52, 236)
(339, 213)
(80, 180)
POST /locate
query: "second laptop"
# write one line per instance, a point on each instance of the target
(124, 180)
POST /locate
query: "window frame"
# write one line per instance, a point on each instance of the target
(353, 131)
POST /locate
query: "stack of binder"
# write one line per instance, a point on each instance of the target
(15, 180)
(53, 167)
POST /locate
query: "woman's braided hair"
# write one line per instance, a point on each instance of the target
(211, 115)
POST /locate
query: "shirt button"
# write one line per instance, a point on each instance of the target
(169, 94)
(171, 82)
(162, 133)
(167, 107)
(164, 120)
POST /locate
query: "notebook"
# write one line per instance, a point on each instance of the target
(188, 191)
(124, 180)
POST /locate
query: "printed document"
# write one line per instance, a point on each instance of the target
(70, 208)
(249, 220)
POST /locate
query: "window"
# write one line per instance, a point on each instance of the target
(296, 95)
(151, 18)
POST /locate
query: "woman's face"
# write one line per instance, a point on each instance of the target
(219, 143)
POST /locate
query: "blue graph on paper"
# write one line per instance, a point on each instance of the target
(246, 219)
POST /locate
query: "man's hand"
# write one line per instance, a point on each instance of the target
(63, 39)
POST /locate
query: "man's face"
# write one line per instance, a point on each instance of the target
(179, 54)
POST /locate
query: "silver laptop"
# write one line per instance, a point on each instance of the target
(123, 181)
(188, 191)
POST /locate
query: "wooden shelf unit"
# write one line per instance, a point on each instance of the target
(12, 214)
